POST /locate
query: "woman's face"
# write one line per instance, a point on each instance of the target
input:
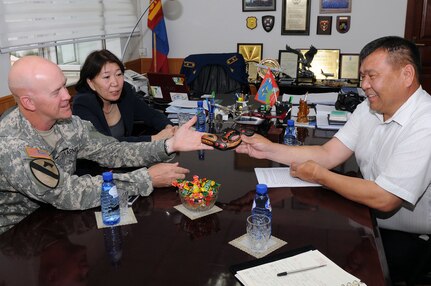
(108, 84)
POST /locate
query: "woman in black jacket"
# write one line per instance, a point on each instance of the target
(104, 99)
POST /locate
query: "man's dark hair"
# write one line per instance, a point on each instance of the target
(401, 52)
(93, 65)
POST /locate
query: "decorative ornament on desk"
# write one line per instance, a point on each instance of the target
(268, 91)
(304, 73)
(199, 194)
(303, 111)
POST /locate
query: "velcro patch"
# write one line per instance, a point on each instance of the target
(37, 153)
(45, 172)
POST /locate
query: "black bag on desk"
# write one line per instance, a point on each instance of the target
(348, 101)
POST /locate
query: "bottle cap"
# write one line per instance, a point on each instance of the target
(200, 103)
(290, 122)
(107, 176)
(261, 189)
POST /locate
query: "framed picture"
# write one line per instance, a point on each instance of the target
(349, 66)
(295, 17)
(258, 5)
(252, 53)
(324, 25)
(288, 63)
(325, 63)
(335, 6)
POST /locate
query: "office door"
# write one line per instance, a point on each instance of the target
(418, 30)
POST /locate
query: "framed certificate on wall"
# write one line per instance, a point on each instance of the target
(349, 66)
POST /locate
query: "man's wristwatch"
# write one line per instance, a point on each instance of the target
(166, 148)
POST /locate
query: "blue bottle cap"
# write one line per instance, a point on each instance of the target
(290, 122)
(107, 176)
(261, 189)
(200, 103)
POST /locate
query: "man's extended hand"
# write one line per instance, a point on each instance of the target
(186, 139)
(255, 146)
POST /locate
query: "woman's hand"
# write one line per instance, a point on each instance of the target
(165, 133)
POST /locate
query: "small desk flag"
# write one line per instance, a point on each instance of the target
(156, 22)
(268, 91)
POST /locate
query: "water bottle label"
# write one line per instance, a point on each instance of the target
(113, 192)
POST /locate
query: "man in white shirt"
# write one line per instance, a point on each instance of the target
(390, 134)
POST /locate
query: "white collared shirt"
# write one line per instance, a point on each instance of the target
(396, 155)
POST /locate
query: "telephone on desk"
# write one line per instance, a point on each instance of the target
(137, 80)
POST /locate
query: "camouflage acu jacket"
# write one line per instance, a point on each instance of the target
(32, 172)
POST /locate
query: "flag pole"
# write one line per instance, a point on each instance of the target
(155, 52)
(133, 30)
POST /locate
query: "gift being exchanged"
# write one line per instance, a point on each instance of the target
(229, 139)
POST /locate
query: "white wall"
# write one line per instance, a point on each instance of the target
(216, 26)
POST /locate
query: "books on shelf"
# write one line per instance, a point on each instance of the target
(309, 267)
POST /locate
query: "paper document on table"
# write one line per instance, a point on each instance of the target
(305, 269)
(280, 177)
(316, 98)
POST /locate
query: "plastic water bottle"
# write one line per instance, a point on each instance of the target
(109, 200)
(113, 244)
(201, 118)
(261, 202)
(290, 133)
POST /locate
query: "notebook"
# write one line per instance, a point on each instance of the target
(306, 266)
(167, 87)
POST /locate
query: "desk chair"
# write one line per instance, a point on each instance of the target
(223, 73)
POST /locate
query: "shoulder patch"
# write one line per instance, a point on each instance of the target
(37, 153)
(45, 172)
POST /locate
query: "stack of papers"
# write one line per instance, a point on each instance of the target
(322, 117)
(306, 269)
(338, 117)
(313, 98)
(184, 106)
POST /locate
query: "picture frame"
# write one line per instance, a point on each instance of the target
(252, 53)
(295, 18)
(335, 6)
(288, 63)
(326, 60)
(324, 25)
(349, 66)
(253, 6)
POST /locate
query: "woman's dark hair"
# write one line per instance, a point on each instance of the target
(93, 65)
(401, 52)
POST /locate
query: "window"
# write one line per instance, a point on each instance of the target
(64, 31)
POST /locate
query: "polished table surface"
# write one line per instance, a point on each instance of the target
(53, 247)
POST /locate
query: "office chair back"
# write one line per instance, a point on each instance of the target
(223, 73)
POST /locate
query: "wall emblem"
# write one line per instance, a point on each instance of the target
(251, 22)
(268, 22)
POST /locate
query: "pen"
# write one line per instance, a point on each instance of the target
(299, 270)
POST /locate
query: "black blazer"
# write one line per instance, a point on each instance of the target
(132, 108)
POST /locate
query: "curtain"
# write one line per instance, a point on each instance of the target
(28, 24)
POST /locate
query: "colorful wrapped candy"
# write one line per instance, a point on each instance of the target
(198, 194)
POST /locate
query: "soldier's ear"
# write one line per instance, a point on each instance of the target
(27, 102)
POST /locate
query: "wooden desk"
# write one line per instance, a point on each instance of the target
(167, 248)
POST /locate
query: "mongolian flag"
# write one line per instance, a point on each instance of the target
(156, 22)
(268, 91)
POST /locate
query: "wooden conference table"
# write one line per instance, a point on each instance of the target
(167, 248)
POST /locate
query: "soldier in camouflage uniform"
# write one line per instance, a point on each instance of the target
(40, 142)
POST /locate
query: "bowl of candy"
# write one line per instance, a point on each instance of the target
(199, 194)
